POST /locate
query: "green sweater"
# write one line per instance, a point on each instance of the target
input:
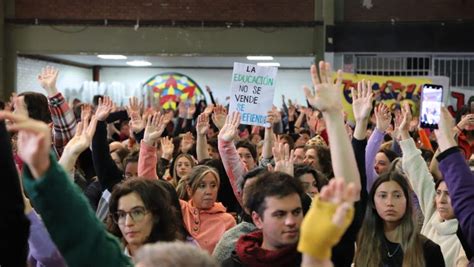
(79, 235)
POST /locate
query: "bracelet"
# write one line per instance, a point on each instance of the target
(459, 128)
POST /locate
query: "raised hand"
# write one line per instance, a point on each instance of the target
(229, 130)
(191, 111)
(47, 78)
(383, 117)
(444, 134)
(202, 124)
(167, 147)
(137, 123)
(405, 122)
(187, 142)
(182, 109)
(84, 133)
(219, 116)
(104, 108)
(34, 141)
(362, 100)
(209, 109)
(330, 215)
(327, 95)
(154, 129)
(284, 159)
(466, 123)
(291, 112)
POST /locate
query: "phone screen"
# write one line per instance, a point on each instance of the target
(431, 100)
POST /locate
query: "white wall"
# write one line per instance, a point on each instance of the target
(70, 77)
(288, 82)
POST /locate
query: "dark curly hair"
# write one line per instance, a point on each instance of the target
(156, 199)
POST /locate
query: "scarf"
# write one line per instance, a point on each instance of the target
(250, 253)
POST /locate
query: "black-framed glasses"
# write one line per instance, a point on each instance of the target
(136, 214)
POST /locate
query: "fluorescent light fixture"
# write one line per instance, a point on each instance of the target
(259, 58)
(139, 63)
(116, 57)
(268, 64)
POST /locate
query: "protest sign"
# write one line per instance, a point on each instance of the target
(252, 91)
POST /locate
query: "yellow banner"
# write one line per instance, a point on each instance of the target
(388, 89)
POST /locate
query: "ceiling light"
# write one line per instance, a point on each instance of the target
(112, 56)
(259, 58)
(139, 63)
(268, 64)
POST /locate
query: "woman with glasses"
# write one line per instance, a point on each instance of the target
(141, 212)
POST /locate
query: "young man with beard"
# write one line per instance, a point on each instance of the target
(277, 212)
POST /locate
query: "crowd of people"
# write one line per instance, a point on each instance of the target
(92, 184)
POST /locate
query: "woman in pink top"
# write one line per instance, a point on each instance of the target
(205, 219)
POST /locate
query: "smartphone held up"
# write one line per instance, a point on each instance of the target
(430, 109)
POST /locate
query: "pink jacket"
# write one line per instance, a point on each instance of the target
(234, 167)
(206, 226)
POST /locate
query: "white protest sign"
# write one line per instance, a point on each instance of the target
(252, 91)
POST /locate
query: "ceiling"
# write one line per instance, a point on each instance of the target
(186, 61)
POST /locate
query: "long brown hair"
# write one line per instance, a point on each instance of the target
(370, 242)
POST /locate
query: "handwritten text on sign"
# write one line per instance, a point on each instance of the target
(252, 91)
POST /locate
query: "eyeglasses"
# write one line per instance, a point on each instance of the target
(136, 214)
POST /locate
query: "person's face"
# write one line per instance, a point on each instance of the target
(381, 163)
(302, 139)
(213, 153)
(311, 159)
(206, 193)
(246, 157)
(183, 167)
(256, 139)
(299, 156)
(211, 133)
(137, 231)
(390, 202)
(280, 222)
(443, 202)
(247, 183)
(309, 184)
(125, 130)
(115, 157)
(131, 170)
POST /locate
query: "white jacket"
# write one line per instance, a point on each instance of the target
(434, 227)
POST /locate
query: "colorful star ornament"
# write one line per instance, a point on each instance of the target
(173, 87)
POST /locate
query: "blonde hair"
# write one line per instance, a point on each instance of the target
(176, 179)
(173, 254)
(197, 175)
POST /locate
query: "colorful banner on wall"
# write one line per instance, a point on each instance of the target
(173, 87)
(388, 89)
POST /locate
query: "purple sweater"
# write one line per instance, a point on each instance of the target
(43, 252)
(460, 181)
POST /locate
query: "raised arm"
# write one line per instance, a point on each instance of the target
(327, 99)
(362, 106)
(105, 168)
(415, 167)
(80, 142)
(383, 117)
(269, 137)
(330, 215)
(458, 176)
(234, 167)
(65, 211)
(13, 248)
(202, 126)
(64, 121)
(148, 158)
